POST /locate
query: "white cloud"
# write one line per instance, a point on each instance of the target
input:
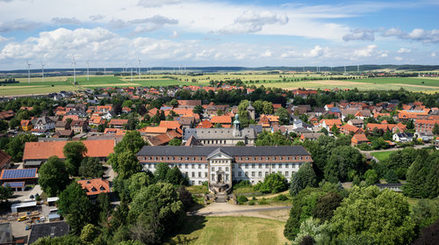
(398, 58)
(250, 22)
(317, 51)
(267, 53)
(359, 34)
(2, 39)
(433, 54)
(404, 51)
(157, 3)
(418, 34)
(66, 21)
(366, 51)
(174, 34)
(18, 25)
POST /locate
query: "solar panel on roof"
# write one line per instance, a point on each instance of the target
(19, 173)
(14, 184)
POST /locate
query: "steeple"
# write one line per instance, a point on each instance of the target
(236, 126)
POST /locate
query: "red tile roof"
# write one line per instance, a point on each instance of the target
(4, 159)
(118, 122)
(221, 120)
(95, 186)
(170, 124)
(44, 150)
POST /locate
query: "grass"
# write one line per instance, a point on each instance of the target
(230, 230)
(197, 189)
(382, 156)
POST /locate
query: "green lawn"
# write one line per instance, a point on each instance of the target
(382, 156)
(230, 230)
(402, 80)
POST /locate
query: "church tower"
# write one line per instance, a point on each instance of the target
(236, 126)
(251, 111)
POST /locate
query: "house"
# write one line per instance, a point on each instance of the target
(44, 124)
(28, 175)
(5, 160)
(310, 136)
(153, 131)
(359, 139)
(268, 121)
(188, 103)
(118, 123)
(94, 187)
(62, 125)
(52, 229)
(79, 126)
(224, 121)
(356, 122)
(205, 124)
(402, 137)
(35, 153)
(64, 133)
(329, 123)
(6, 115)
(350, 129)
(26, 125)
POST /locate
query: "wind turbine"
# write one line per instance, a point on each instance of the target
(28, 71)
(42, 70)
(138, 67)
(88, 71)
(131, 74)
(74, 69)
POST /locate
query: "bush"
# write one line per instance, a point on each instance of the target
(242, 199)
(251, 203)
(281, 197)
(263, 201)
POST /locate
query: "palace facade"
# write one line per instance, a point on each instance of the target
(221, 166)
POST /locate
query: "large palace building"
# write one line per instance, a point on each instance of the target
(220, 166)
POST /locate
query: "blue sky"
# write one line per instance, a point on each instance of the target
(113, 33)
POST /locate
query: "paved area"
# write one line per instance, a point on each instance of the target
(260, 211)
(25, 195)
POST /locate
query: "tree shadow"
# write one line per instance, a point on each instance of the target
(189, 225)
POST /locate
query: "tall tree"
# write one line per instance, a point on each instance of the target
(74, 152)
(381, 216)
(273, 183)
(284, 116)
(91, 167)
(343, 160)
(127, 165)
(15, 146)
(305, 177)
(423, 176)
(53, 176)
(75, 206)
(132, 141)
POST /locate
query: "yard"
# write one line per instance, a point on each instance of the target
(230, 230)
(382, 155)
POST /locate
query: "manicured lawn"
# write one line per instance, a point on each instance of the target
(230, 230)
(382, 156)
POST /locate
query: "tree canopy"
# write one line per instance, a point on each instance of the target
(53, 176)
(305, 177)
(74, 152)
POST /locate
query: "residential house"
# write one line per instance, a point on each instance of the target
(94, 187)
(5, 160)
(44, 124)
(310, 136)
(329, 123)
(350, 129)
(359, 139)
(79, 126)
(225, 121)
(62, 125)
(359, 123)
(403, 137)
(268, 121)
(118, 123)
(7, 115)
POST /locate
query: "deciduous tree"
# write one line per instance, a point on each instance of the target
(53, 176)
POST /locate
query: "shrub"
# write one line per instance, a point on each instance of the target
(242, 199)
(251, 203)
(281, 197)
(263, 201)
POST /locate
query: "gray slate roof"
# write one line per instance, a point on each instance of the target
(229, 150)
(54, 229)
(217, 133)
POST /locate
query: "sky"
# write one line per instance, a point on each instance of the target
(114, 33)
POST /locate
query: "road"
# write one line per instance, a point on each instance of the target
(396, 149)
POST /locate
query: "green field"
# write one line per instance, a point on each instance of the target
(56, 84)
(230, 230)
(382, 156)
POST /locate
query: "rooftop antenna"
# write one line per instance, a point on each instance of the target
(42, 71)
(138, 59)
(28, 71)
(88, 70)
(74, 69)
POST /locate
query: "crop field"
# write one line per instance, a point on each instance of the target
(285, 81)
(230, 230)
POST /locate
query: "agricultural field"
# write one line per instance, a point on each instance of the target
(285, 81)
(230, 230)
